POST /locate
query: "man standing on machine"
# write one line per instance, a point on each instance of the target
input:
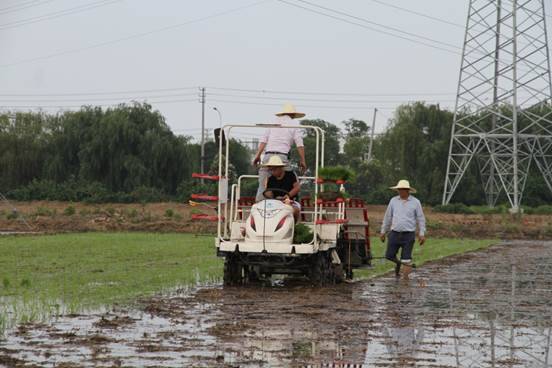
(278, 142)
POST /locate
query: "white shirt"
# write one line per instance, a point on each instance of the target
(402, 215)
(280, 139)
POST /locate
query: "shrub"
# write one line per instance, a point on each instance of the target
(12, 215)
(131, 213)
(437, 225)
(169, 213)
(43, 211)
(543, 210)
(69, 211)
(25, 283)
(83, 191)
(454, 208)
(486, 210)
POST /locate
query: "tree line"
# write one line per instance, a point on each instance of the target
(128, 153)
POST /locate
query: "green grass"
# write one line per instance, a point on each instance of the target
(433, 249)
(44, 275)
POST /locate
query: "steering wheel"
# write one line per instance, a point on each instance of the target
(274, 191)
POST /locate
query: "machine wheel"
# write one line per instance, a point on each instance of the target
(252, 274)
(339, 275)
(232, 270)
(321, 272)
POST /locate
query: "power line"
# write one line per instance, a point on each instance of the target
(261, 91)
(95, 93)
(99, 99)
(477, 50)
(419, 14)
(334, 93)
(312, 106)
(87, 105)
(311, 99)
(375, 29)
(23, 5)
(384, 26)
(58, 14)
(136, 35)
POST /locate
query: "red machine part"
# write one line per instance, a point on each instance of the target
(205, 197)
(205, 176)
(338, 221)
(203, 216)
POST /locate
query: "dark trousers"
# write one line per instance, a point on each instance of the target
(404, 240)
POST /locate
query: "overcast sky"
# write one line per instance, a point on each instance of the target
(64, 49)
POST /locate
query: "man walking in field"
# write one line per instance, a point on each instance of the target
(278, 142)
(403, 213)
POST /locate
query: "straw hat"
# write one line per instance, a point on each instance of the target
(274, 161)
(403, 184)
(289, 109)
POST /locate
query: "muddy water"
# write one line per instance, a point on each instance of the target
(486, 309)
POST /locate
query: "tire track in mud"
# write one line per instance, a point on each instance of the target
(484, 309)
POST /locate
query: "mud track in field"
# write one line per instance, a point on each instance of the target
(486, 309)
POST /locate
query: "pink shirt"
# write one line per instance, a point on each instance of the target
(279, 139)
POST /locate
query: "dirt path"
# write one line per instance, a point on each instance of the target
(486, 309)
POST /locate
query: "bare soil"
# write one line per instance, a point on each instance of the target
(56, 217)
(484, 309)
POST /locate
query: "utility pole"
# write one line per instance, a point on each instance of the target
(202, 158)
(372, 135)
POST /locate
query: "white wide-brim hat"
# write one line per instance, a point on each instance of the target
(274, 161)
(403, 184)
(289, 109)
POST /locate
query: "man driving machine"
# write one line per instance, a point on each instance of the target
(282, 184)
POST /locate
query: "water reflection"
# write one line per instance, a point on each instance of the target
(403, 335)
(481, 313)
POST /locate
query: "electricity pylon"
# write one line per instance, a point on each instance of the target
(503, 115)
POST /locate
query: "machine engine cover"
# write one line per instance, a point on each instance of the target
(272, 220)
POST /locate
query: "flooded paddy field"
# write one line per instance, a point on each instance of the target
(485, 309)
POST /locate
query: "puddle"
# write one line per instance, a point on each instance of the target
(485, 309)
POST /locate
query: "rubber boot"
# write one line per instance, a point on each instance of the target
(406, 271)
(398, 269)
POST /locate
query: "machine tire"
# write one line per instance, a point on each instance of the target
(232, 271)
(321, 272)
(338, 273)
(252, 275)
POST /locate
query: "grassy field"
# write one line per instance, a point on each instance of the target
(41, 276)
(46, 275)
